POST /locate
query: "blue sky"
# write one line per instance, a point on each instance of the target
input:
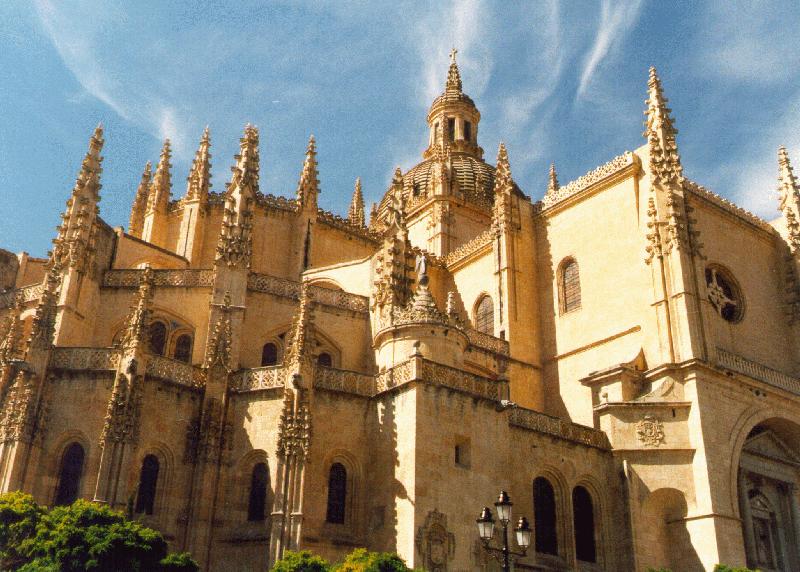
(562, 82)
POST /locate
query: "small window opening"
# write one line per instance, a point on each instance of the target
(467, 131)
(451, 129)
(69, 478)
(259, 483)
(324, 359)
(183, 348)
(337, 494)
(461, 453)
(148, 479)
(269, 354)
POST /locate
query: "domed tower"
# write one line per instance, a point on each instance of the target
(449, 195)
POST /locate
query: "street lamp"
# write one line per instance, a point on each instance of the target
(486, 531)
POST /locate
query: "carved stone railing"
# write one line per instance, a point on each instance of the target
(175, 371)
(560, 428)
(487, 342)
(258, 378)
(394, 377)
(585, 181)
(27, 294)
(291, 289)
(345, 225)
(85, 358)
(7, 298)
(727, 205)
(187, 278)
(468, 248)
(453, 378)
(344, 381)
(277, 202)
(758, 371)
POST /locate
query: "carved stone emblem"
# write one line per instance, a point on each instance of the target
(434, 543)
(650, 431)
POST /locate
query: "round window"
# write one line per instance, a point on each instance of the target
(724, 294)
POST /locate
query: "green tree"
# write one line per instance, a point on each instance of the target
(19, 516)
(303, 561)
(82, 536)
(361, 560)
(724, 568)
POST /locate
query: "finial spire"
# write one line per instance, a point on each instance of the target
(139, 317)
(552, 182)
(665, 162)
(200, 175)
(162, 181)
(301, 335)
(356, 213)
(502, 177)
(503, 188)
(308, 186)
(787, 183)
(453, 75)
(139, 207)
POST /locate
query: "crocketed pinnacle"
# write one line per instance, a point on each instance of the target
(138, 321)
(356, 213)
(453, 75)
(89, 175)
(44, 318)
(502, 177)
(160, 188)
(552, 181)
(136, 223)
(301, 334)
(788, 191)
(247, 168)
(199, 180)
(665, 162)
(308, 186)
(11, 332)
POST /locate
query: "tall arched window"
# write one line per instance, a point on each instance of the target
(337, 493)
(148, 479)
(69, 477)
(544, 516)
(583, 518)
(269, 354)
(484, 315)
(325, 359)
(158, 338)
(259, 483)
(183, 348)
(569, 286)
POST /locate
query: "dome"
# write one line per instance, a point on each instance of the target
(470, 176)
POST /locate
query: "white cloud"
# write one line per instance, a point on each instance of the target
(616, 20)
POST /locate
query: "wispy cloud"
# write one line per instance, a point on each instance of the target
(616, 19)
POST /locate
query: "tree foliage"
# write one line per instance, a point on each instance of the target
(81, 536)
(303, 561)
(360, 560)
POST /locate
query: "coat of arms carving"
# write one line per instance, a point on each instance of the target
(650, 431)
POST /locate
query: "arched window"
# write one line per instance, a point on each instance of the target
(259, 483)
(484, 315)
(436, 132)
(451, 128)
(583, 519)
(69, 477)
(467, 131)
(269, 354)
(183, 348)
(325, 359)
(544, 516)
(569, 286)
(158, 338)
(148, 479)
(337, 493)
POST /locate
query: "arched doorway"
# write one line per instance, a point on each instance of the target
(768, 487)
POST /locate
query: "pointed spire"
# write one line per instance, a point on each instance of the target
(502, 176)
(552, 182)
(373, 214)
(665, 162)
(301, 334)
(247, 169)
(161, 187)
(44, 318)
(199, 180)
(138, 321)
(11, 332)
(73, 244)
(788, 189)
(453, 75)
(356, 213)
(139, 207)
(308, 186)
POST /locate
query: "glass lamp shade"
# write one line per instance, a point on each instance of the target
(503, 506)
(486, 524)
(523, 532)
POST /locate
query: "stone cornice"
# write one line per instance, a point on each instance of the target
(728, 206)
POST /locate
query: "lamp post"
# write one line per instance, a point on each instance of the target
(503, 553)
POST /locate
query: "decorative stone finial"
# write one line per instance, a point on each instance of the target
(199, 180)
(308, 186)
(665, 162)
(301, 334)
(138, 322)
(503, 188)
(788, 191)
(161, 187)
(552, 182)
(397, 206)
(453, 75)
(139, 207)
(356, 213)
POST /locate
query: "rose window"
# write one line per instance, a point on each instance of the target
(723, 294)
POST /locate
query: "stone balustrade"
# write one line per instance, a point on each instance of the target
(184, 278)
(291, 289)
(28, 293)
(344, 381)
(175, 371)
(561, 428)
(487, 342)
(258, 378)
(85, 358)
(758, 371)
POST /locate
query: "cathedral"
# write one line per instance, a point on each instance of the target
(250, 374)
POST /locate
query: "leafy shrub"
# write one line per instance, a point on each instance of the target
(361, 560)
(303, 561)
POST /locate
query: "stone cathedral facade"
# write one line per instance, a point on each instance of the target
(249, 373)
